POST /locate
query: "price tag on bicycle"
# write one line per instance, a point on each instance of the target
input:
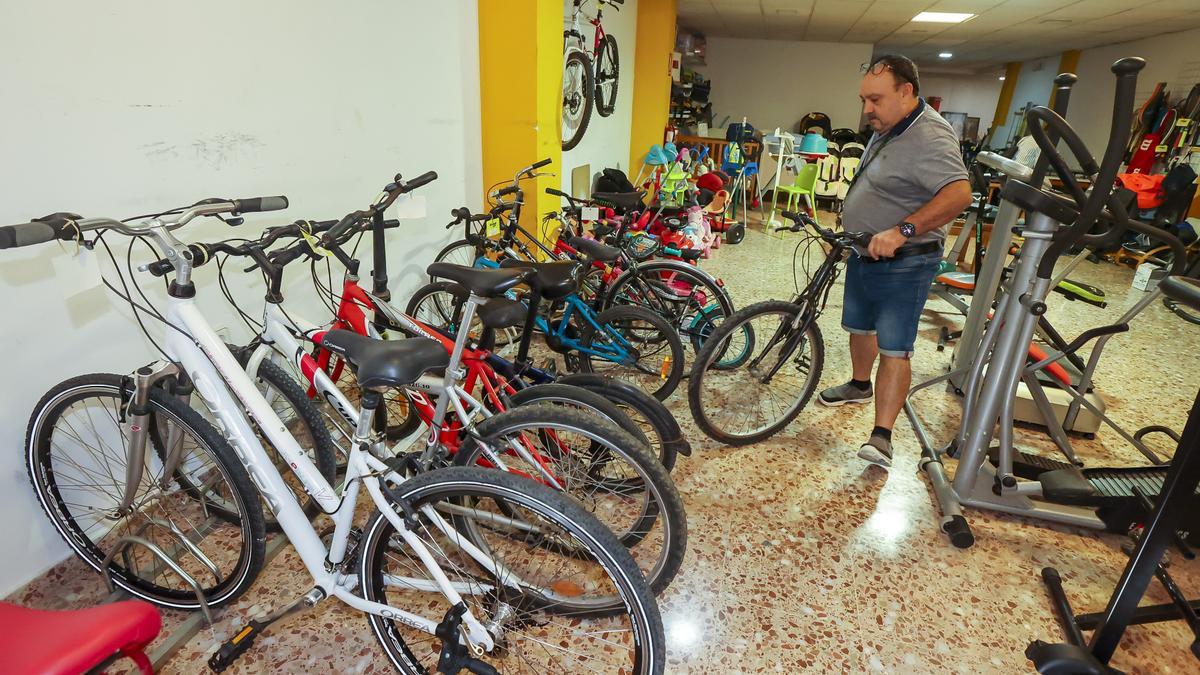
(588, 213)
(492, 227)
(313, 242)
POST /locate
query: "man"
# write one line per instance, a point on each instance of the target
(910, 184)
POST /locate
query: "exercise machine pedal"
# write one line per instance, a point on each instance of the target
(1067, 486)
(1028, 466)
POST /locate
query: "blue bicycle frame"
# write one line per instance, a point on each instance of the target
(614, 348)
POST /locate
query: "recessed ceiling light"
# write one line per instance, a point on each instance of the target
(945, 55)
(942, 17)
(1001, 78)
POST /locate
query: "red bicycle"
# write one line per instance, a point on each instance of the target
(589, 76)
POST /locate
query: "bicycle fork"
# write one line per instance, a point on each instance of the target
(793, 334)
(136, 424)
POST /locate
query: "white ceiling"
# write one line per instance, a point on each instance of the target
(1003, 30)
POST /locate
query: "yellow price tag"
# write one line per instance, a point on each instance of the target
(314, 243)
(1161, 148)
(1183, 122)
(493, 227)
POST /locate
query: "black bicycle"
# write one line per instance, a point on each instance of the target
(760, 366)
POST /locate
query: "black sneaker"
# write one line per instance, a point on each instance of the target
(877, 450)
(843, 394)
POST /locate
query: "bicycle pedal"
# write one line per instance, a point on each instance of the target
(235, 647)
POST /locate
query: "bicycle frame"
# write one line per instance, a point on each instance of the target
(597, 37)
(227, 390)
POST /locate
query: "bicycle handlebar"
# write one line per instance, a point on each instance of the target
(801, 219)
(258, 204)
(391, 192)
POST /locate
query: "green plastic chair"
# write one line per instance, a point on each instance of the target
(805, 184)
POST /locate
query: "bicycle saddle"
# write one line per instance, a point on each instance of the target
(621, 200)
(553, 280)
(487, 283)
(1182, 289)
(502, 313)
(385, 363)
(75, 641)
(594, 249)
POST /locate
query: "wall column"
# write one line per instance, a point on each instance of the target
(520, 89)
(1011, 72)
(651, 77)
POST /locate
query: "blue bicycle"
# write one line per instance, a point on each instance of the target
(625, 341)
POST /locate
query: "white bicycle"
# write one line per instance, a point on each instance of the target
(142, 487)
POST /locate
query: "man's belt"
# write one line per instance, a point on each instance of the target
(911, 250)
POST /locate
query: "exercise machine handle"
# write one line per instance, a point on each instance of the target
(1009, 167)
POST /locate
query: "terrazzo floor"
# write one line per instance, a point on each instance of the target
(801, 558)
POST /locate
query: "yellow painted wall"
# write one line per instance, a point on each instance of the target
(652, 77)
(1067, 63)
(520, 87)
(1011, 72)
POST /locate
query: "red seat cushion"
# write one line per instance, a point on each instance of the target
(70, 642)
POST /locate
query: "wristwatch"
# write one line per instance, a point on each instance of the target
(908, 230)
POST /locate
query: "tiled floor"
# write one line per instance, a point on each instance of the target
(803, 559)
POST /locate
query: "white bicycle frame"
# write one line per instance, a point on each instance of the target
(226, 390)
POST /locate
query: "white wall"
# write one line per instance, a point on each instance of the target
(775, 82)
(605, 144)
(1034, 85)
(975, 95)
(1169, 58)
(142, 105)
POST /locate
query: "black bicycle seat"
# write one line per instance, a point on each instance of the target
(386, 363)
(594, 249)
(487, 283)
(1182, 289)
(553, 280)
(624, 201)
(502, 313)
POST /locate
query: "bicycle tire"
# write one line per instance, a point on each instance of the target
(585, 95)
(445, 254)
(561, 393)
(694, 317)
(655, 420)
(605, 105)
(662, 512)
(702, 409)
(46, 480)
(462, 485)
(665, 332)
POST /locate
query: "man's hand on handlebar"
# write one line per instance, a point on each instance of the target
(884, 244)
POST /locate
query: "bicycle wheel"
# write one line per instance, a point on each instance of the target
(458, 252)
(578, 88)
(440, 304)
(769, 387)
(656, 422)
(691, 300)
(612, 475)
(580, 399)
(654, 354)
(76, 454)
(608, 70)
(540, 609)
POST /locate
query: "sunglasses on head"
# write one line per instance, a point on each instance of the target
(879, 67)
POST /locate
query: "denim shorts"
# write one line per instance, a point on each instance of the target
(885, 298)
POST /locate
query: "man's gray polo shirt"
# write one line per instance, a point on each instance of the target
(901, 171)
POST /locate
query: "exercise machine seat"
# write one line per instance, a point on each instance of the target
(75, 641)
(380, 364)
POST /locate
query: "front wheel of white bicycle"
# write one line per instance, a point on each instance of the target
(528, 596)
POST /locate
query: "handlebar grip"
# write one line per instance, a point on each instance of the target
(257, 204)
(1010, 167)
(557, 193)
(423, 179)
(341, 228)
(27, 234)
(1062, 88)
(506, 191)
(540, 164)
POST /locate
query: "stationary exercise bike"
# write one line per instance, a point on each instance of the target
(1165, 518)
(1101, 498)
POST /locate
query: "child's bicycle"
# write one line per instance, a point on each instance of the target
(770, 354)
